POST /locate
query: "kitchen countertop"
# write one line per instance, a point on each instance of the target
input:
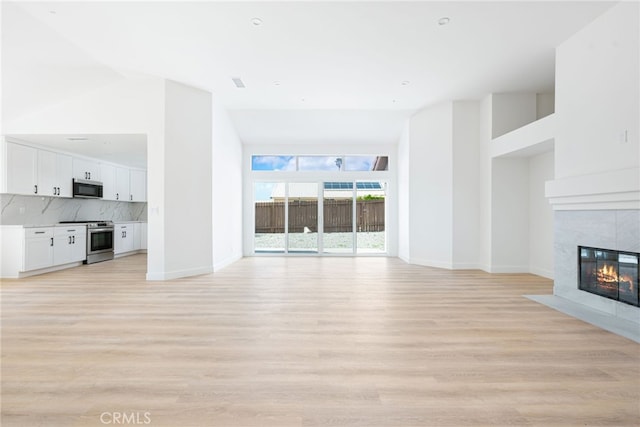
(62, 225)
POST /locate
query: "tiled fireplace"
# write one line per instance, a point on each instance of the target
(596, 259)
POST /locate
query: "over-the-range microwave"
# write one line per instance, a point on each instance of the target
(87, 189)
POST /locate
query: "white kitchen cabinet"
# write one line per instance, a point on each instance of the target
(86, 169)
(54, 174)
(108, 179)
(70, 244)
(21, 163)
(122, 184)
(137, 236)
(123, 238)
(138, 185)
(38, 248)
(143, 236)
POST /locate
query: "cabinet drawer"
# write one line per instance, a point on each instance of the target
(74, 230)
(38, 233)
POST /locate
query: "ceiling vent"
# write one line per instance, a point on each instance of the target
(238, 82)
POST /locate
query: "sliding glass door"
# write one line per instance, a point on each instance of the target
(337, 236)
(302, 213)
(328, 217)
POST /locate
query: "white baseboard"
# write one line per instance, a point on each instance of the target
(177, 274)
(509, 269)
(22, 274)
(465, 266)
(431, 263)
(226, 262)
(541, 272)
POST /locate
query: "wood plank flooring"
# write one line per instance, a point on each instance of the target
(305, 342)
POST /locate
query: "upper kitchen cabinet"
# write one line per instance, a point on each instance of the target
(138, 185)
(115, 182)
(54, 174)
(86, 169)
(108, 178)
(20, 169)
(123, 184)
(30, 171)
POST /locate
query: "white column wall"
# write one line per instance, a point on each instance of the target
(466, 186)
(431, 187)
(541, 169)
(404, 196)
(187, 182)
(510, 215)
(484, 180)
(227, 190)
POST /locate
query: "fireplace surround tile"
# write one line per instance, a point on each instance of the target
(606, 229)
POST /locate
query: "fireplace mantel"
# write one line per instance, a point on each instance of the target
(602, 191)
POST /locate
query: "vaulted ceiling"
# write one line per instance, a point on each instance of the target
(336, 71)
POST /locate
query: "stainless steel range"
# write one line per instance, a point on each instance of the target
(99, 240)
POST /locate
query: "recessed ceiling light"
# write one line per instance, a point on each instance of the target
(256, 22)
(53, 12)
(276, 83)
(444, 20)
(405, 83)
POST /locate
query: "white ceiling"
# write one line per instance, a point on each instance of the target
(125, 149)
(340, 66)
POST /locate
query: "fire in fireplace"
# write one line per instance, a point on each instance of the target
(608, 273)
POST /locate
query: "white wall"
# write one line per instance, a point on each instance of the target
(541, 169)
(404, 199)
(227, 190)
(466, 186)
(597, 88)
(187, 182)
(510, 215)
(511, 111)
(484, 180)
(431, 186)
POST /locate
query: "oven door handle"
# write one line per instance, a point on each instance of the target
(93, 230)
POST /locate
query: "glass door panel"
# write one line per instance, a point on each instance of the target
(370, 217)
(269, 205)
(337, 234)
(303, 217)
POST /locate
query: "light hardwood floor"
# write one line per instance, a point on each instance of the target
(305, 342)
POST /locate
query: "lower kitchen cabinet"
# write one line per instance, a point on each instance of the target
(26, 250)
(123, 238)
(70, 244)
(38, 248)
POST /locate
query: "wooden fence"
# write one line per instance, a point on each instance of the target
(338, 216)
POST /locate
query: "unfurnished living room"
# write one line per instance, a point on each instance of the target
(314, 213)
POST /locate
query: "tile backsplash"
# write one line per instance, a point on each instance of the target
(35, 210)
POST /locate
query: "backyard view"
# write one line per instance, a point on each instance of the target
(347, 227)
